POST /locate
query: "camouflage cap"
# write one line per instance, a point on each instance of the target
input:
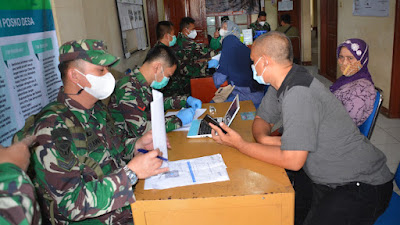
(90, 50)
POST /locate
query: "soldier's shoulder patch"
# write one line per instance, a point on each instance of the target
(66, 165)
(62, 139)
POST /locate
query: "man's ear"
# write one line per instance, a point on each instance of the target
(155, 65)
(166, 36)
(265, 60)
(72, 74)
(185, 31)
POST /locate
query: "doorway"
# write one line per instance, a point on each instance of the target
(394, 104)
(314, 32)
(328, 12)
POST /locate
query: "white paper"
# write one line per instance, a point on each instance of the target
(371, 8)
(247, 36)
(134, 17)
(216, 57)
(125, 16)
(158, 123)
(186, 127)
(285, 6)
(207, 169)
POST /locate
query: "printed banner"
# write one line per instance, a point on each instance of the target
(29, 78)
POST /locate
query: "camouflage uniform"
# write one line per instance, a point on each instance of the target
(187, 52)
(80, 176)
(257, 26)
(17, 197)
(78, 193)
(159, 43)
(131, 101)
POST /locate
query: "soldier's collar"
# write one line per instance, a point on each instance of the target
(139, 76)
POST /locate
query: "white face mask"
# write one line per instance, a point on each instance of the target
(192, 34)
(102, 87)
(262, 23)
(223, 32)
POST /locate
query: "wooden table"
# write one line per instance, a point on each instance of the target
(257, 193)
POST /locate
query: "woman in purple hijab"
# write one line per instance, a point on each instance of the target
(355, 89)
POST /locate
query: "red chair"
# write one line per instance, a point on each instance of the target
(203, 88)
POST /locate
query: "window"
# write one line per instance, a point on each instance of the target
(214, 22)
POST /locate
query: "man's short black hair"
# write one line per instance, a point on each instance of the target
(62, 67)
(185, 22)
(285, 18)
(65, 65)
(163, 27)
(262, 13)
(224, 18)
(162, 53)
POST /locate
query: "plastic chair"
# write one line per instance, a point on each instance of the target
(391, 215)
(368, 126)
(203, 88)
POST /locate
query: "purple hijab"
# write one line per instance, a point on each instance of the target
(360, 51)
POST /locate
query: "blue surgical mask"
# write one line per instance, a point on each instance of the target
(158, 85)
(173, 42)
(257, 78)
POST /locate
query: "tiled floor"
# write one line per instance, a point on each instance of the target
(386, 135)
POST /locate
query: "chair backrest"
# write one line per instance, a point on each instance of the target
(368, 126)
(203, 88)
(296, 49)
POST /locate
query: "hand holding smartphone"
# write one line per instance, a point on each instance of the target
(209, 119)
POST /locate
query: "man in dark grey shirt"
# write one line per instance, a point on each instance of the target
(351, 182)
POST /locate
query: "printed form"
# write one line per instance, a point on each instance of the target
(207, 169)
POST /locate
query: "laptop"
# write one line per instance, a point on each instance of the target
(200, 128)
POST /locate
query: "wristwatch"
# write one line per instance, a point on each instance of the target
(131, 175)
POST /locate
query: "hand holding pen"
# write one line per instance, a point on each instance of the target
(144, 151)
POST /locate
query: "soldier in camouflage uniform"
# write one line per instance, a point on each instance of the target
(84, 166)
(18, 203)
(165, 34)
(192, 58)
(133, 94)
(261, 23)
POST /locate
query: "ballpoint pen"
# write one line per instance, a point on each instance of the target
(146, 151)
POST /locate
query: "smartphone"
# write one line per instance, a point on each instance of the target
(209, 119)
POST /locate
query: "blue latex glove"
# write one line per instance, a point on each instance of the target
(186, 115)
(193, 102)
(213, 63)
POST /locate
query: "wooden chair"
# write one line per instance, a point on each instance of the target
(296, 49)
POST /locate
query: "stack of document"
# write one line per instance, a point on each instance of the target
(201, 170)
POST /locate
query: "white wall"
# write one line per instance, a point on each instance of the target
(272, 18)
(272, 14)
(93, 19)
(305, 31)
(378, 32)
